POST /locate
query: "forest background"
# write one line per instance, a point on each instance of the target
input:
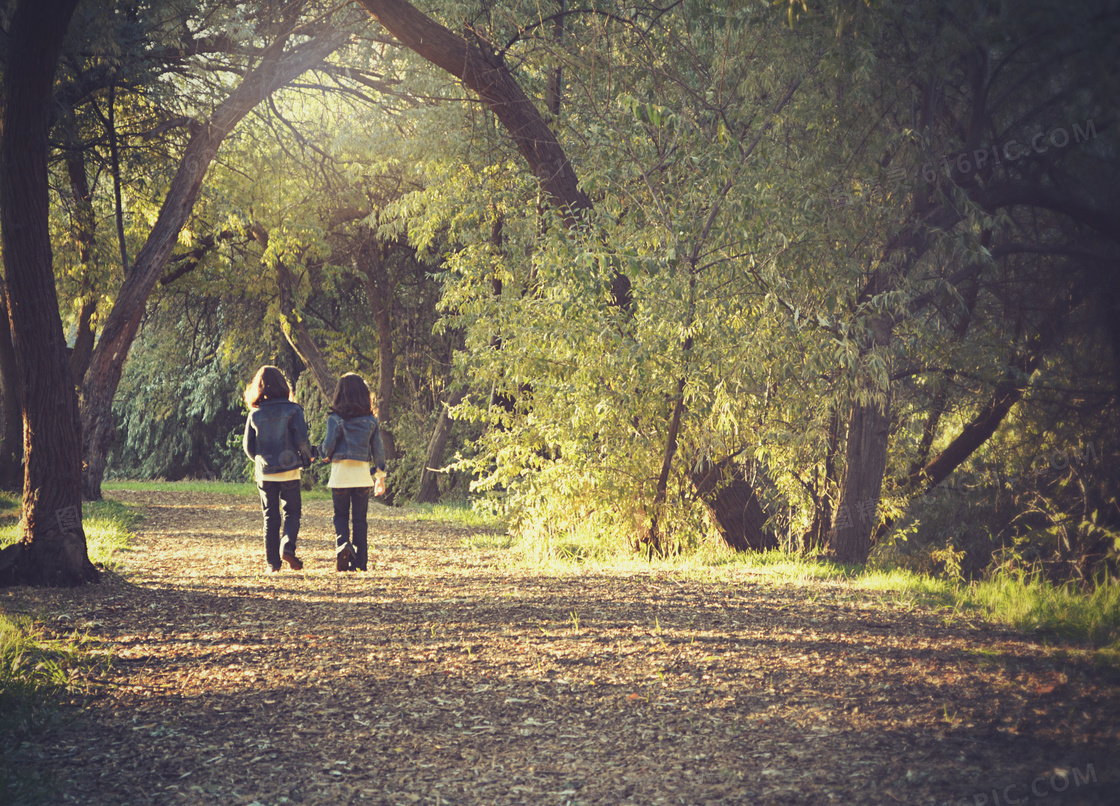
(835, 278)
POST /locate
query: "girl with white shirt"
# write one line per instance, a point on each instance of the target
(352, 441)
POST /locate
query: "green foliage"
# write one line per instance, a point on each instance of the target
(777, 183)
(178, 410)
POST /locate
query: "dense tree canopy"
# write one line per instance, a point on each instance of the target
(843, 281)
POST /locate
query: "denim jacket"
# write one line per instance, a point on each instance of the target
(354, 438)
(277, 432)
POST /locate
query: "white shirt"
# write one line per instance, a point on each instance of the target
(350, 473)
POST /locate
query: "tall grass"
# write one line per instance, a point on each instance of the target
(1031, 603)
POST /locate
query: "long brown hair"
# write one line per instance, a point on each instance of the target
(268, 384)
(352, 397)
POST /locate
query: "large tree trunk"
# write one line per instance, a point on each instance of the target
(11, 410)
(275, 69)
(865, 462)
(52, 547)
(429, 477)
(733, 505)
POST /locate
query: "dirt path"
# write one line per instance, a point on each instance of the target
(442, 677)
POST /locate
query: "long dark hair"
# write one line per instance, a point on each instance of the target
(268, 384)
(352, 397)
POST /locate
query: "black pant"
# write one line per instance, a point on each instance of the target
(281, 503)
(354, 500)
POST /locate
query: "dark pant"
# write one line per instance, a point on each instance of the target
(347, 501)
(281, 503)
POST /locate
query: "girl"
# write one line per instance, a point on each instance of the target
(353, 438)
(276, 440)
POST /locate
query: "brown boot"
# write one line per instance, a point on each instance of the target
(294, 562)
(343, 558)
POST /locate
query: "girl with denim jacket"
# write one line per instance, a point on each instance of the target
(352, 440)
(277, 442)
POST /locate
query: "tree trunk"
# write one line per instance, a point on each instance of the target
(734, 506)
(487, 75)
(555, 91)
(379, 291)
(814, 541)
(429, 477)
(11, 412)
(84, 340)
(275, 69)
(52, 547)
(865, 458)
(651, 537)
(85, 236)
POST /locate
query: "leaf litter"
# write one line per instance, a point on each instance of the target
(447, 675)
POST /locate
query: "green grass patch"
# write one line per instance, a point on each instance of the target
(1026, 603)
(461, 514)
(107, 525)
(38, 675)
(241, 489)
(1033, 604)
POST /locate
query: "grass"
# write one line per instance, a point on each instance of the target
(1031, 603)
(107, 525)
(462, 514)
(241, 489)
(38, 674)
(1026, 603)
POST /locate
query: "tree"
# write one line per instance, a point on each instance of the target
(1000, 215)
(52, 549)
(11, 412)
(618, 411)
(484, 71)
(293, 49)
